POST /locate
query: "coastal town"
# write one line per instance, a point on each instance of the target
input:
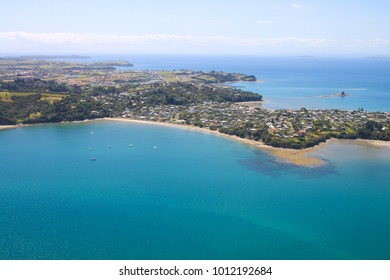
(279, 128)
(37, 91)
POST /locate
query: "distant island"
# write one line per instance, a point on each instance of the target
(342, 94)
(41, 91)
(53, 69)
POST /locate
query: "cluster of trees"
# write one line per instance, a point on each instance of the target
(190, 94)
(375, 131)
(22, 107)
(299, 142)
(104, 90)
(77, 108)
(38, 85)
(371, 130)
(222, 77)
(32, 109)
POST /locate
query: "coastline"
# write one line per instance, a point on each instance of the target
(292, 156)
(296, 157)
(10, 126)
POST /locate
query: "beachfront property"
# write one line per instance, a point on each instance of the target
(281, 126)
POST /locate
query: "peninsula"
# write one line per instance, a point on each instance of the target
(40, 91)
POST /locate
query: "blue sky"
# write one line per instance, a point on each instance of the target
(196, 27)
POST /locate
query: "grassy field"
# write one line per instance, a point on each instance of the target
(175, 76)
(6, 96)
(207, 78)
(168, 76)
(48, 97)
(34, 115)
(52, 97)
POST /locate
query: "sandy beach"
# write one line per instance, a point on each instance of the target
(8, 126)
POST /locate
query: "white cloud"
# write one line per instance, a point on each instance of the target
(264, 21)
(58, 38)
(218, 21)
(297, 6)
(300, 7)
(172, 43)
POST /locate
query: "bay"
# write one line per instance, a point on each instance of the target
(180, 194)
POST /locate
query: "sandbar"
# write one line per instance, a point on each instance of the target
(372, 143)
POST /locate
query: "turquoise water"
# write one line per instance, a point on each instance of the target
(194, 196)
(199, 196)
(294, 82)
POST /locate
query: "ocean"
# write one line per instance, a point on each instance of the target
(158, 192)
(293, 82)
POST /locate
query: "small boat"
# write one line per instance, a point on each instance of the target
(92, 132)
(93, 159)
(154, 147)
(130, 145)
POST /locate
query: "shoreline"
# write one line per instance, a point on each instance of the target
(291, 156)
(296, 157)
(371, 143)
(11, 126)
